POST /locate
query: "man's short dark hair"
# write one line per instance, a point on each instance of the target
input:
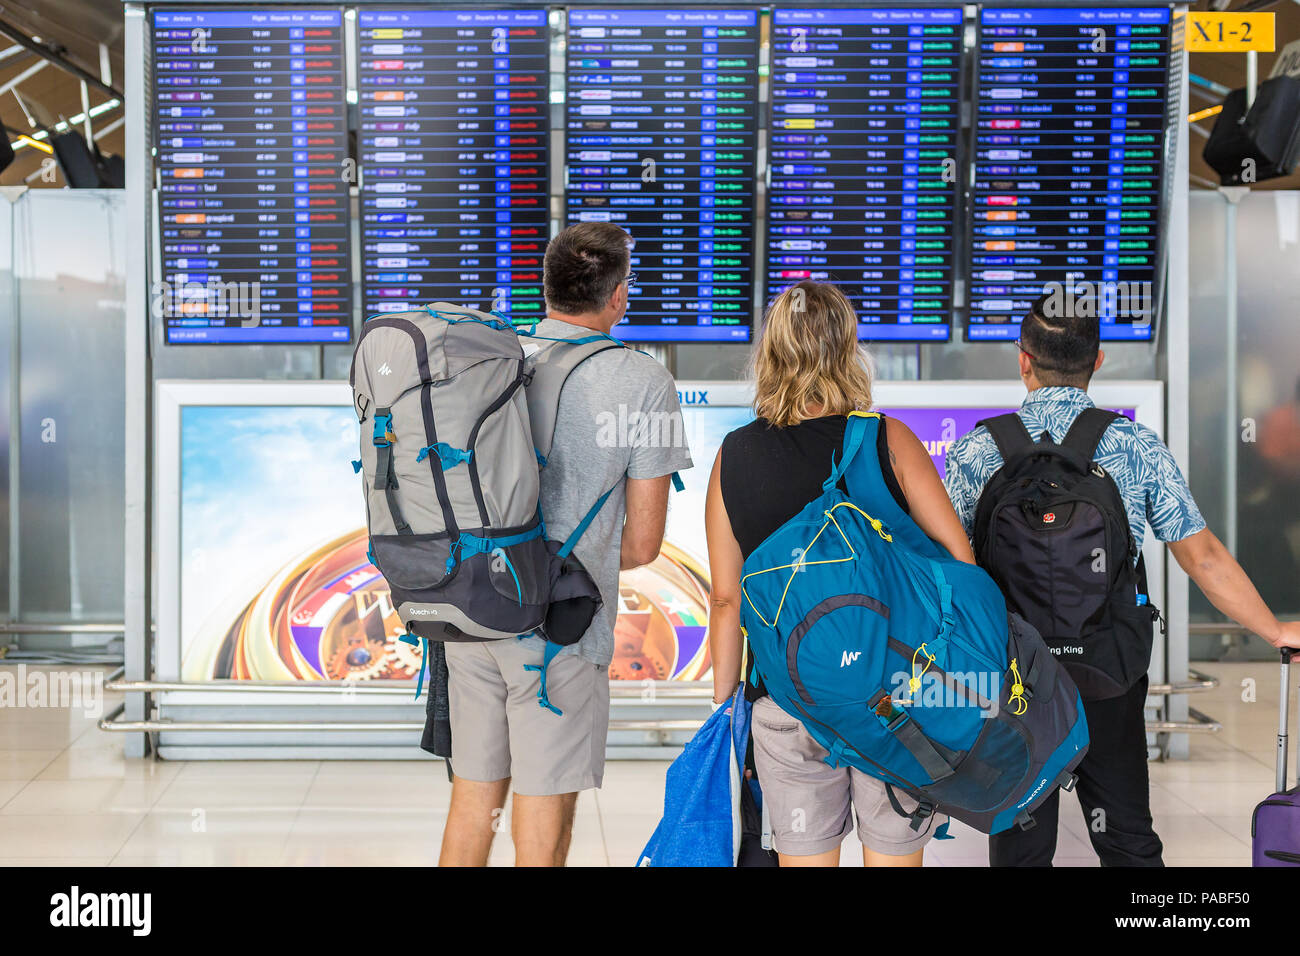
(584, 265)
(1062, 336)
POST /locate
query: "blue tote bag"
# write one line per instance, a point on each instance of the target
(701, 824)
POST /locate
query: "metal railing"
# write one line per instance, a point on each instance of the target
(14, 628)
(113, 723)
(617, 689)
(1199, 723)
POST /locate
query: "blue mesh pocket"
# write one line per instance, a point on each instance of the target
(991, 773)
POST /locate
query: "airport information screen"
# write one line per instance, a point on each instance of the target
(454, 168)
(272, 127)
(1069, 140)
(661, 129)
(251, 135)
(866, 116)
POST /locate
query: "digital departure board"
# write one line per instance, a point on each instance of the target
(662, 121)
(251, 135)
(453, 147)
(1069, 146)
(866, 119)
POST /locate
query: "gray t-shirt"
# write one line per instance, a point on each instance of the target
(618, 418)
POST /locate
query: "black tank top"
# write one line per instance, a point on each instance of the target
(768, 474)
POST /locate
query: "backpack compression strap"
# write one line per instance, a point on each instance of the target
(385, 474)
(1085, 434)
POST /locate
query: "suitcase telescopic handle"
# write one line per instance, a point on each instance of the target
(1282, 718)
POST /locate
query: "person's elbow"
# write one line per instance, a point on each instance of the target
(640, 551)
(1199, 554)
(722, 602)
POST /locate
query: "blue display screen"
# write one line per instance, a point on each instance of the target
(454, 157)
(661, 129)
(250, 123)
(866, 122)
(1069, 158)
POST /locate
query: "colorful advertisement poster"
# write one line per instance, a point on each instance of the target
(275, 584)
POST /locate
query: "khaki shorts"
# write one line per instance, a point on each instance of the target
(808, 800)
(499, 730)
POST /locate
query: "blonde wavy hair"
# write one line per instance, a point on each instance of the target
(808, 355)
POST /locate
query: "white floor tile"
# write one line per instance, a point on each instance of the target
(25, 764)
(53, 861)
(69, 796)
(40, 797)
(67, 835)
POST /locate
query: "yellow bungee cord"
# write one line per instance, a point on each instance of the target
(1017, 692)
(914, 684)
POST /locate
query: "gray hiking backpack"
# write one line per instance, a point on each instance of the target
(456, 422)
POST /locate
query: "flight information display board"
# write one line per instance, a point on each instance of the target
(866, 120)
(453, 148)
(662, 123)
(1069, 146)
(251, 134)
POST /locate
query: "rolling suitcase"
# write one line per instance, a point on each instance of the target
(1275, 825)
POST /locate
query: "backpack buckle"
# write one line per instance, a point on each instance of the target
(383, 434)
(923, 812)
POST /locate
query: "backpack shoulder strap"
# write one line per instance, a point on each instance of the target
(854, 435)
(1086, 432)
(550, 367)
(1009, 434)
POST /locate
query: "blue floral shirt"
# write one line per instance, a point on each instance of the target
(1149, 480)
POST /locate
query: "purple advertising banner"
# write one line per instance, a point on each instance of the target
(939, 428)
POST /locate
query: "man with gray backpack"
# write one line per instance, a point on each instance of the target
(502, 501)
(1056, 498)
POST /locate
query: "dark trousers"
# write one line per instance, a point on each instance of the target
(1113, 780)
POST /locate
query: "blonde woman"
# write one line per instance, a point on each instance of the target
(809, 373)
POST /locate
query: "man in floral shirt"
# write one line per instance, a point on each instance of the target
(1058, 355)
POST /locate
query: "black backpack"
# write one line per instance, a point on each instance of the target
(1051, 529)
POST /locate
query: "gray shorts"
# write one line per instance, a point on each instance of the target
(499, 730)
(808, 800)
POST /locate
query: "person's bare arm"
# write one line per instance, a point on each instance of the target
(927, 499)
(643, 528)
(724, 574)
(1217, 573)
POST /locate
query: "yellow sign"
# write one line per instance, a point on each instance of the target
(1230, 32)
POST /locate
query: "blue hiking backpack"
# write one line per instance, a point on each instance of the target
(904, 662)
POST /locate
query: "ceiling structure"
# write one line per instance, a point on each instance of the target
(77, 29)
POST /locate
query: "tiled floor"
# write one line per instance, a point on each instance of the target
(67, 796)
